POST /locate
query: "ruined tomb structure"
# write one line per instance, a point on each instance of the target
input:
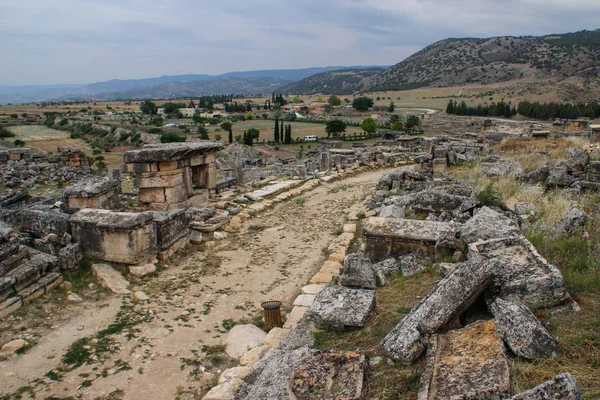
(173, 175)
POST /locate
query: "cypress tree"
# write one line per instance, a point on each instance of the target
(276, 134)
(230, 136)
(282, 132)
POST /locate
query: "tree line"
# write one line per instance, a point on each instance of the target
(552, 110)
(527, 109)
(500, 109)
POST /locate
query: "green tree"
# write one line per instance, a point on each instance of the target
(334, 101)
(335, 127)
(412, 124)
(392, 107)
(394, 118)
(397, 126)
(450, 107)
(362, 103)
(171, 108)
(203, 132)
(249, 115)
(171, 137)
(250, 136)
(230, 135)
(148, 107)
(319, 99)
(5, 133)
(369, 125)
(276, 131)
(226, 125)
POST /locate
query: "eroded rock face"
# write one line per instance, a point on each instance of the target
(562, 387)
(538, 176)
(339, 308)
(559, 177)
(358, 272)
(522, 331)
(522, 273)
(453, 295)
(467, 363)
(487, 224)
(272, 375)
(391, 211)
(330, 375)
(574, 219)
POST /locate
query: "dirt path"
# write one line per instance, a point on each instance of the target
(165, 342)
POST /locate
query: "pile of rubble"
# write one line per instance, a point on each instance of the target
(577, 172)
(465, 327)
(19, 167)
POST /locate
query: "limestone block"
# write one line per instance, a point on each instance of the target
(358, 272)
(160, 179)
(254, 355)
(176, 194)
(235, 373)
(12, 347)
(562, 387)
(466, 363)
(224, 391)
(110, 278)
(340, 308)
(153, 195)
(242, 338)
(294, 317)
(321, 277)
(313, 289)
(329, 375)
(304, 300)
(332, 267)
(522, 331)
(142, 270)
(350, 228)
(274, 337)
(452, 296)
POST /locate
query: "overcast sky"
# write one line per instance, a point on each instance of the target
(83, 41)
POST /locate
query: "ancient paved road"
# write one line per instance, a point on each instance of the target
(192, 303)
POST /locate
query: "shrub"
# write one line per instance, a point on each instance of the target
(5, 133)
(171, 137)
(490, 197)
(155, 130)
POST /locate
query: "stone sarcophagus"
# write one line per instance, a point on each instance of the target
(94, 193)
(128, 238)
(173, 175)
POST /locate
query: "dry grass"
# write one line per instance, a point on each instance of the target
(394, 301)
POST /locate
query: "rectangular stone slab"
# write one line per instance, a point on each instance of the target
(467, 363)
(385, 237)
(523, 273)
(340, 308)
(452, 296)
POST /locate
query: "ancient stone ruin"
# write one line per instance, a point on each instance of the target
(175, 175)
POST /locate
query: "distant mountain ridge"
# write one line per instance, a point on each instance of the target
(172, 90)
(36, 93)
(454, 62)
(332, 82)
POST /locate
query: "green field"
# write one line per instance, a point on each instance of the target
(30, 133)
(299, 129)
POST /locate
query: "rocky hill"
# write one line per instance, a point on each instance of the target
(332, 82)
(168, 90)
(454, 62)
